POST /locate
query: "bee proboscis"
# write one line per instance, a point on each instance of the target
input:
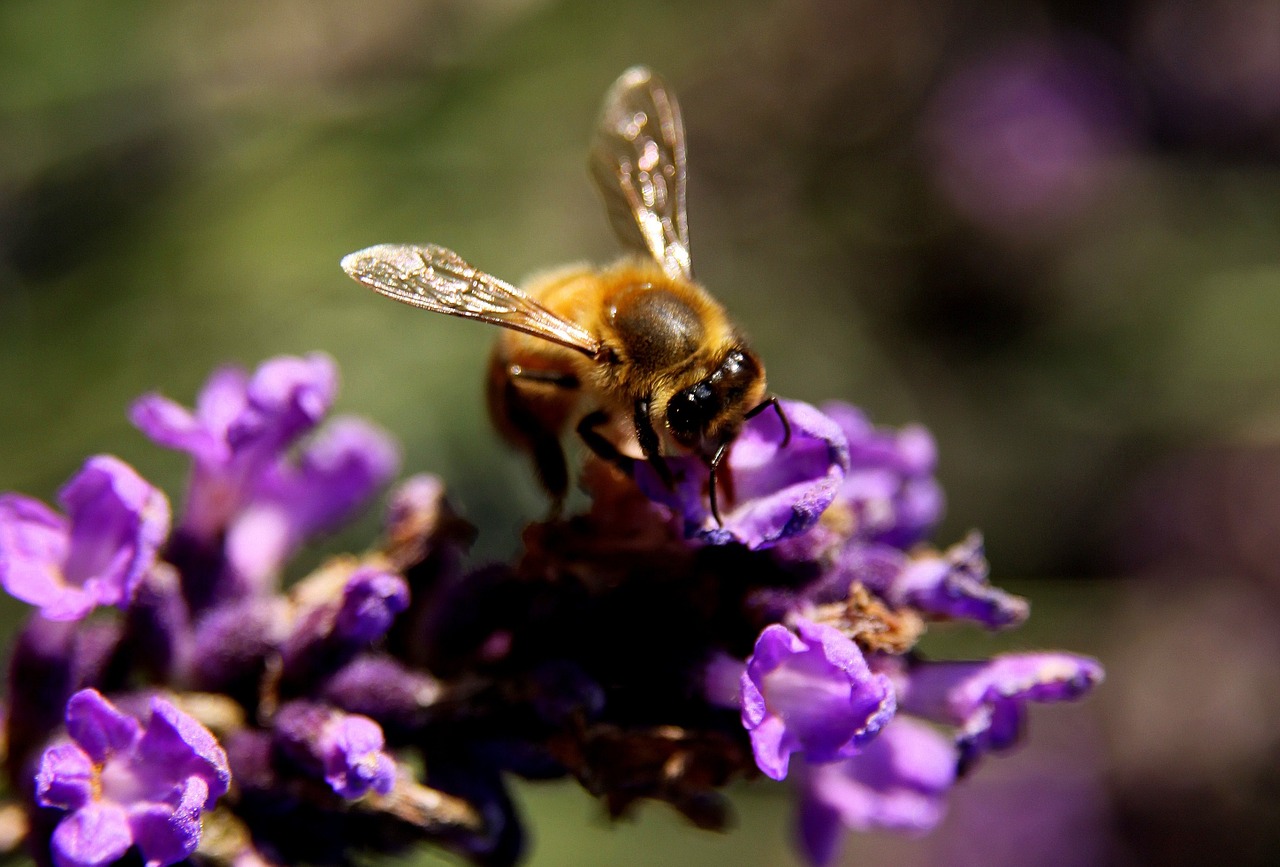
(640, 358)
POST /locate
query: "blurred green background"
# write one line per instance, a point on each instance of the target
(1050, 231)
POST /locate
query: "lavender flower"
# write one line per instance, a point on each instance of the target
(127, 785)
(810, 692)
(244, 490)
(772, 491)
(788, 632)
(898, 782)
(97, 555)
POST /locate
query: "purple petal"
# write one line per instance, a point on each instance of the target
(168, 833)
(95, 835)
(812, 693)
(777, 492)
(98, 727)
(222, 400)
(118, 522)
(336, 474)
(33, 545)
(889, 486)
(898, 782)
(986, 700)
(66, 777)
(370, 602)
(176, 746)
(287, 396)
(259, 541)
(173, 426)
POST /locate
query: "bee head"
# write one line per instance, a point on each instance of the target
(709, 412)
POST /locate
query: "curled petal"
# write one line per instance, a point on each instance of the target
(118, 522)
(95, 835)
(33, 545)
(98, 727)
(66, 777)
(176, 747)
(168, 833)
(777, 492)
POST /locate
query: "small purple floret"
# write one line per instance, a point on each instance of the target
(354, 762)
(370, 602)
(950, 585)
(97, 555)
(346, 748)
(810, 692)
(777, 492)
(987, 700)
(898, 782)
(129, 785)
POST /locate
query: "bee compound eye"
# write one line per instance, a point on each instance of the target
(690, 409)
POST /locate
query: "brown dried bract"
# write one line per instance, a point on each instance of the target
(874, 626)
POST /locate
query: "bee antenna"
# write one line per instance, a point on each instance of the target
(772, 401)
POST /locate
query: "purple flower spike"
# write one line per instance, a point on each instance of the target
(240, 427)
(986, 700)
(97, 555)
(129, 785)
(777, 492)
(810, 692)
(898, 782)
(370, 602)
(951, 585)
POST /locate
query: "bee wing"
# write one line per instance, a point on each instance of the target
(437, 279)
(638, 162)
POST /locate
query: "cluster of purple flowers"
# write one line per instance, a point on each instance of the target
(384, 699)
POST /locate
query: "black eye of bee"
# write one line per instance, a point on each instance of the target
(690, 410)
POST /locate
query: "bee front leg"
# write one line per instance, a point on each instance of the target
(648, 439)
(600, 446)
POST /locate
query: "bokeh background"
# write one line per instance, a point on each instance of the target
(1050, 231)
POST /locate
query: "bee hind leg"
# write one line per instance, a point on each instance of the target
(524, 427)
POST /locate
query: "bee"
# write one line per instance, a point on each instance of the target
(637, 356)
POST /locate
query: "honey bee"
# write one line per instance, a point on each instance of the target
(640, 358)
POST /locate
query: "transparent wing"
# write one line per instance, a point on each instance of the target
(438, 279)
(637, 160)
